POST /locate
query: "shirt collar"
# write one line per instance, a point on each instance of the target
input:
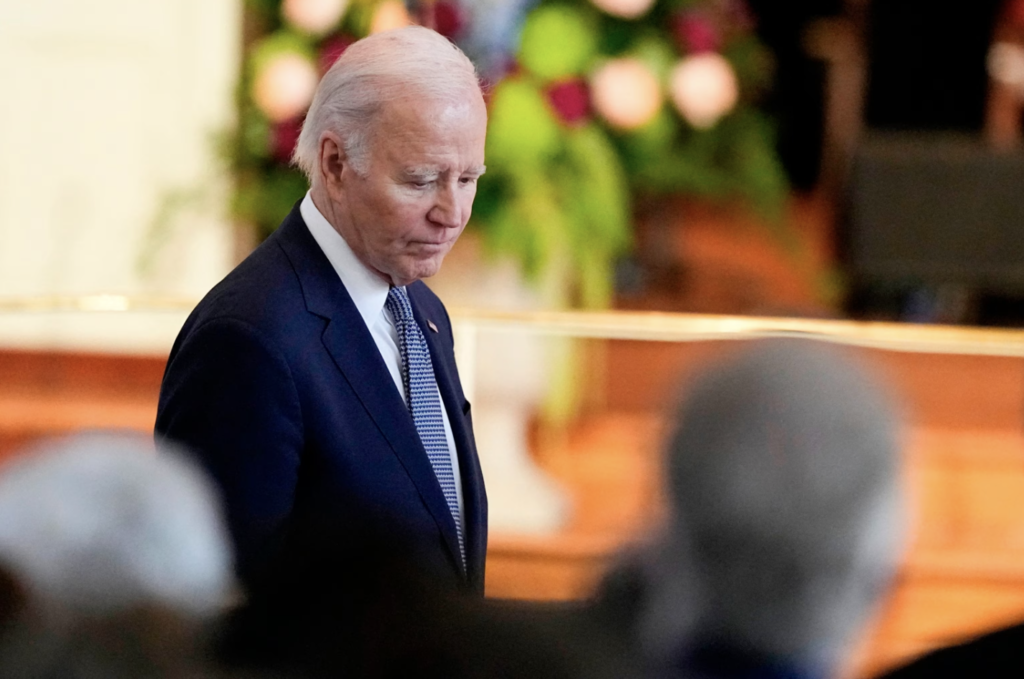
(366, 288)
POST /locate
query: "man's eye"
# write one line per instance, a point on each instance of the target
(466, 181)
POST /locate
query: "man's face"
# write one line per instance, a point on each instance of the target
(402, 216)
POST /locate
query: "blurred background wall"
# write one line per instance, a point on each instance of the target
(109, 112)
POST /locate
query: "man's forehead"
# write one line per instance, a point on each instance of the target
(429, 104)
(411, 115)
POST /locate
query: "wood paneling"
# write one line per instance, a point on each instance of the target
(50, 393)
(964, 466)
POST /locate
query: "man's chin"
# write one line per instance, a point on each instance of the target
(419, 270)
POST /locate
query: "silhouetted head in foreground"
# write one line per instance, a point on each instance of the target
(786, 514)
(114, 559)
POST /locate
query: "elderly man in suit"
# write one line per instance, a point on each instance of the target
(317, 382)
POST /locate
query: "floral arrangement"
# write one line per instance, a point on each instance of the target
(289, 44)
(592, 104)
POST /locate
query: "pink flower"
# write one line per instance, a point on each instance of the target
(570, 99)
(694, 33)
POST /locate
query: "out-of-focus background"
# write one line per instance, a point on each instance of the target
(851, 170)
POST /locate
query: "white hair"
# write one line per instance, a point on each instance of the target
(102, 523)
(372, 72)
(787, 515)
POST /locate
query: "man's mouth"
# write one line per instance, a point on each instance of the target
(429, 245)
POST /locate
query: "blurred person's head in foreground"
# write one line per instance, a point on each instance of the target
(114, 558)
(786, 517)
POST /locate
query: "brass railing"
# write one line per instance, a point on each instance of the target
(623, 325)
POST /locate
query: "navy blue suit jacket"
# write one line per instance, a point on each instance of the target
(277, 385)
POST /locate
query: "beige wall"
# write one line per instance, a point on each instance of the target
(108, 109)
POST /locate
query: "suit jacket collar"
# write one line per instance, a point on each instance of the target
(367, 288)
(351, 346)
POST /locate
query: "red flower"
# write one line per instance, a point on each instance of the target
(1015, 13)
(694, 33)
(739, 16)
(283, 138)
(331, 49)
(570, 99)
(448, 19)
(511, 67)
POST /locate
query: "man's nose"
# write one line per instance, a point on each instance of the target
(448, 210)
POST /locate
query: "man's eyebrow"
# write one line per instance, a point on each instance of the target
(430, 172)
(421, 172)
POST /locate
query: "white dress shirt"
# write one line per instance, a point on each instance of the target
(369, 292)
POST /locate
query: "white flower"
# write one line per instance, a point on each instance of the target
(704, 88)
(627, 9)
(1006, 65)
(625, 93)
(390, 15)
(284, 86)
(314, 16)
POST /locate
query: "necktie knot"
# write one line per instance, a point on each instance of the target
(399, 306)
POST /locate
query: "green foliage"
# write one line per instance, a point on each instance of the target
(553, 197)
(558, 192)
(596, 197)
(265, 197)
(655, 50)
(278, 43)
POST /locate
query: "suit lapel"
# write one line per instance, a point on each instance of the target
(372, 383)
(348, 341)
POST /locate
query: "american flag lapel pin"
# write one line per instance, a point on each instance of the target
(431, 325)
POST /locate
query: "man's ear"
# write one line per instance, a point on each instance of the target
(333, 162)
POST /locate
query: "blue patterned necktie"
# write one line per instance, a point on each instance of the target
(424, 401)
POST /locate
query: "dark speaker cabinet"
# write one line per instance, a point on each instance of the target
(926, 211)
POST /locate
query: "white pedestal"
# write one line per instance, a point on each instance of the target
(505, 376)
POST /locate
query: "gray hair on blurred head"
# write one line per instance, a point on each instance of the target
(101, 523)
(784, 482)
(375, 71)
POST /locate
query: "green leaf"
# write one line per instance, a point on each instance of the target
(280, 42)
(656, 50)
(602, 193)
(558, 41)
(521, 127)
